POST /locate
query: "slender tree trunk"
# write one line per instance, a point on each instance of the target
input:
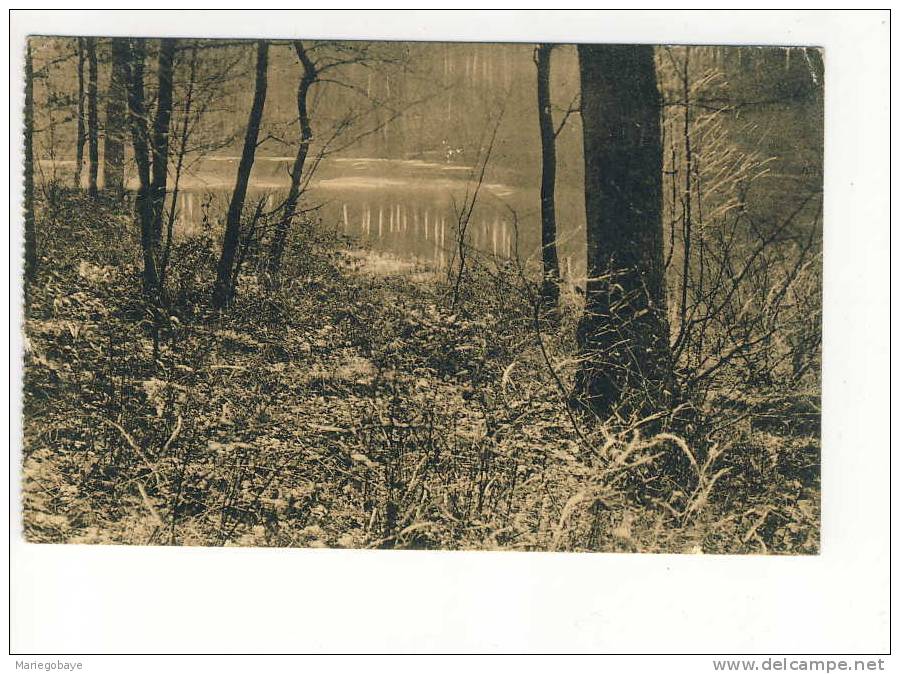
(114, 138)
(687, 221)
(30, 236)
(81, 135)
(179, 164)
(223, 288)
(283, 227)
(549, 257)
(160, 142)
(134, 75)
(93, 132)
(624, 332)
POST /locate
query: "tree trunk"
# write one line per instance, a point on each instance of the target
(160, 143)
(81, 136)
(93, 132)
(134, 77)
(179, 163)
(223, 288)
(114, 138)
(549, 257)
(283, 227)
(30, 236)
(624, 334)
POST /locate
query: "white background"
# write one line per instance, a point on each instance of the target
(90, 599)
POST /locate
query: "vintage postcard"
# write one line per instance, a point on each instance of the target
(365, 294)
(450, 332)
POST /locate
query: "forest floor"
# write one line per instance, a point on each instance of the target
(360, 407)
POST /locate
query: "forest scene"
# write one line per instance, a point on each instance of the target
(423, 295)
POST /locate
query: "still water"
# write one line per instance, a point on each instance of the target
(410, 209)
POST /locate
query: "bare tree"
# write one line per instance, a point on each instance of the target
(326, 63)
(30, 236)
(140, 134)
(223, 289)
(93, 130)
(738, 276)
(160, 141)
(81, 136)
(199, 92)
(457, 267)
(307, 79)
(150, 153)
(181, 151)
(114, 137)
(623, 334)
(549, 257)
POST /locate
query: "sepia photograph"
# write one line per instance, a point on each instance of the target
(447, 296)
(289, 288)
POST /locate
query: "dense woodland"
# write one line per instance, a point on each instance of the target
(423, 295)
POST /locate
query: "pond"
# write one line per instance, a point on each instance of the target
(411, 209)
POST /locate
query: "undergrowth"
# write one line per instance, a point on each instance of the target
(347, 409)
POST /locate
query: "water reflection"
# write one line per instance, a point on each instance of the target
(412, 209)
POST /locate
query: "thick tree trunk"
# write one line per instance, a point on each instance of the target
(114, 138)
(30, 235)
(549, 257)
(81, 135)
(283, 227)
(134, 75)
(223, 288)
(624, 333)
(93, 130)
(160, 143)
